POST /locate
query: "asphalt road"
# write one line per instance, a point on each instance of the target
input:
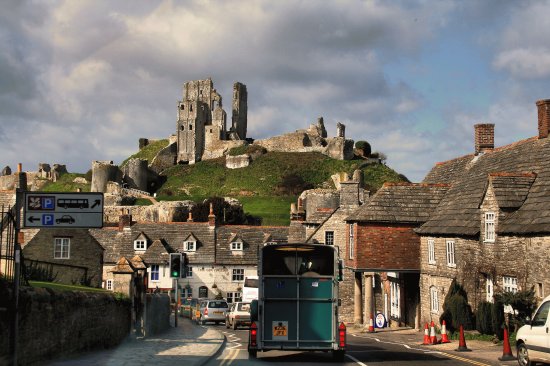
(363, 350)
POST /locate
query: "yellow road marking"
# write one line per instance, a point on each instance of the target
(465, 359)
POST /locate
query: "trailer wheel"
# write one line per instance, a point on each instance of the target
(338, 355)
(252, 353)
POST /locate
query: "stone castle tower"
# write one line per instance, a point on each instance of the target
(201, 121)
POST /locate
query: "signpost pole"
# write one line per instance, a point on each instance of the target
(176, 302)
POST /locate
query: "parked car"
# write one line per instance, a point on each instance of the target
(185, 308)
(212, 311)
(238, 314)
(533, 339)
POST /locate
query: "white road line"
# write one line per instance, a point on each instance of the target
(397, 344)
(356, 360)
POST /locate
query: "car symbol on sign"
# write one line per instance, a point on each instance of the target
(65, 219)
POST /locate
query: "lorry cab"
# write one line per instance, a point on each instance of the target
(533, 339)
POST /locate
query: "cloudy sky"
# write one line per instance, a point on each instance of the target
(84, 80)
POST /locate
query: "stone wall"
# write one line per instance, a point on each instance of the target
(166, 211)
(236, 162)
(54, 324)
(157, 314)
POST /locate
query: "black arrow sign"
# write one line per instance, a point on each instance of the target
(33, 219)
(96, 203)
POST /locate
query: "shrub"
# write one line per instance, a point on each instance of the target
(484, 318)
(456, 310)
(498, 317)
(523, 302)
(364, 147)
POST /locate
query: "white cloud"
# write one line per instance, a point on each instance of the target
(525, 63)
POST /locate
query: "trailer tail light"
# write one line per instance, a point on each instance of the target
(253, 334)
(205, 311)
(342, 335)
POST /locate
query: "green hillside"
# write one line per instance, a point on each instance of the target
(266, 187)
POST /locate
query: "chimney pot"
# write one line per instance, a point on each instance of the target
(19, 167)
(484, 137)
(543, 107)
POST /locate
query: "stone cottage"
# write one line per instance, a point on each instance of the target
(491, 229)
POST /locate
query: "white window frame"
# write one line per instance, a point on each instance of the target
(109, 285)
(189, 273)
(155, 269)
(490, 227)
(351, 240)
(434, 300)
(489, 288)
(62, 248)
(233, 296)
(431, 251)
(190, 246)
(140, 244)
(451, 262)
(236, 246)
(510, 284)
(237, 275)
(329, 237)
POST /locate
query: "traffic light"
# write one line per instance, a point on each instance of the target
(175, 265)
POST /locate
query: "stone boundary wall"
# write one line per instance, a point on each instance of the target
(236, 162)
(53, 324)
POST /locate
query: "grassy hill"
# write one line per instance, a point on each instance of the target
(266, 187)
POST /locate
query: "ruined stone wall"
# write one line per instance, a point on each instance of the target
(102, 173)
(165, 158)
(236, 162)
(166, 211)
(240, 110)
(220, 148)
(136, 174)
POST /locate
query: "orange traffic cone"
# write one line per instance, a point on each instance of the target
(507, 351)
(371, 325)
(444, 338)
(426, 335)
(433, 338)
(462, 343)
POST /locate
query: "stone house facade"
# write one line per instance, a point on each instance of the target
(491, 230)
(384, 249)
(71, 256)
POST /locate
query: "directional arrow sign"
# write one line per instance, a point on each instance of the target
(70, 210)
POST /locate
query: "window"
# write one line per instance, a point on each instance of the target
(188, 292)
(490, 227)
(154, 272)
(62, 248)
(189, 272)
(139, 244)
(233, 297)
(236, 245)
(539, 320)
(109, 285)
(238, 274)
(190, 127)
(351, 241)
(510, 284)
(451, 253)
(190, 246)
(394, 297)
(434, 300)
(540, 289)
(490, 288)
(329, 237)
(431, 251)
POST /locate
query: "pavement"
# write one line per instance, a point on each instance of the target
(481, 352)
(187, 344)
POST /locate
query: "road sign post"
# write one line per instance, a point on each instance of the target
(63, 210)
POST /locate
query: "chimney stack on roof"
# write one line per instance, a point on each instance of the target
(484, 137)
(124, 221)
(543, 107)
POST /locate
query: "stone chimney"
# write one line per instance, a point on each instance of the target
(211, 216)
(124, 221)
(21, 178)
(190, 218)
(543, 107)
(484, 137)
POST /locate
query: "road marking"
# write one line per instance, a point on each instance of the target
(356, 360)
(426, 351)
(231, 357)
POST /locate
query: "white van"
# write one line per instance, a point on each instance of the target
(533, 339)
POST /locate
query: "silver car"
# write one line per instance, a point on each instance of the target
(212, 311)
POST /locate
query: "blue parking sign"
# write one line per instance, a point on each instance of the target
(48, 203)
(47, 219)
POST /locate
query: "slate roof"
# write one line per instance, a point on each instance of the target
(156, 253)
(319, 216)
(401, 203)
(252, 236)
(511, 189)
(458, 213)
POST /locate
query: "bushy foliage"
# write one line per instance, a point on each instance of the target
(456, 310)
(34, 271)
(364, 147)
(484, 318)
(523, 302)
(498, 317)
(225, 212)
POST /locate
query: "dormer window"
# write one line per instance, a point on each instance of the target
(140, 244)
(490, 227)
(190, 246)
(236, 245)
